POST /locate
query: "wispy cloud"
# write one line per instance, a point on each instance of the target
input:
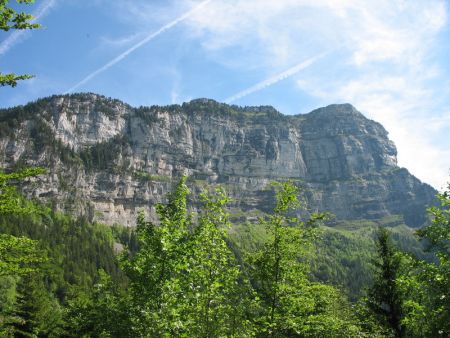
(18, 35)
(119, 42)
(403, 104)
(276, 78)
(141, 43)
(384, 62)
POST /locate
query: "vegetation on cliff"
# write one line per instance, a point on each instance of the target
(186, 276)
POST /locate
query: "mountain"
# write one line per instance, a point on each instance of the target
(107, 160)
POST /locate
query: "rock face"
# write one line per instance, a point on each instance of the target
(107, 160)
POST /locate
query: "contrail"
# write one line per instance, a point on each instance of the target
(138, 45)
(276, 78)
(17, 35)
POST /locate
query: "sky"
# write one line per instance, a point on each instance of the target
(390, 59)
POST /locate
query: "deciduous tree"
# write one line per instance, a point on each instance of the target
(426, 285)
(291, 304)
(11, 19)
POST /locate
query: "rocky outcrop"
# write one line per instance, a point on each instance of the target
(107, 159)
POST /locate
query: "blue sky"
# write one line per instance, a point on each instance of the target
(390, 59)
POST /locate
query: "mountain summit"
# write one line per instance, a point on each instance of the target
(107, 159)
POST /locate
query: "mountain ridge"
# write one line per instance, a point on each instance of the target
(108, 159)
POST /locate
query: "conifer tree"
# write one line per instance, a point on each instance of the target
(37, 312)
(19, 256)
(384, 297)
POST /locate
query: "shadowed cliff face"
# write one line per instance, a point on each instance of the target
(107, 159)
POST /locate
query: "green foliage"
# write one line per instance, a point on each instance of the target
(343, 259)
(217, 295)
(76, 248)
(425, 285)
(11, 19)
(369, 321)
(103, 312)
(188, 278)
(36, 311)
(438, 232)
(242, 114)
(28, 310)
(343, 253)
(11, 79)
(146, 177)
(184, 279)
(147, 114)
(19, 255)
(384, 297)
(125, 236)
(158, 260)
(290, 304)
(42, 255)
(10, 200)
(102, 156)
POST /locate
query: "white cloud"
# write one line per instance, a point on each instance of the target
(383, 62)
(403, 105)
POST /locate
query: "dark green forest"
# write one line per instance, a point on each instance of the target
(199, 275)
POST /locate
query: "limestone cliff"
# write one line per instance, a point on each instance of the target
(107, 159)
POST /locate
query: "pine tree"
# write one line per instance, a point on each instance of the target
(37, 312)
(19, 256)
(384, 297)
